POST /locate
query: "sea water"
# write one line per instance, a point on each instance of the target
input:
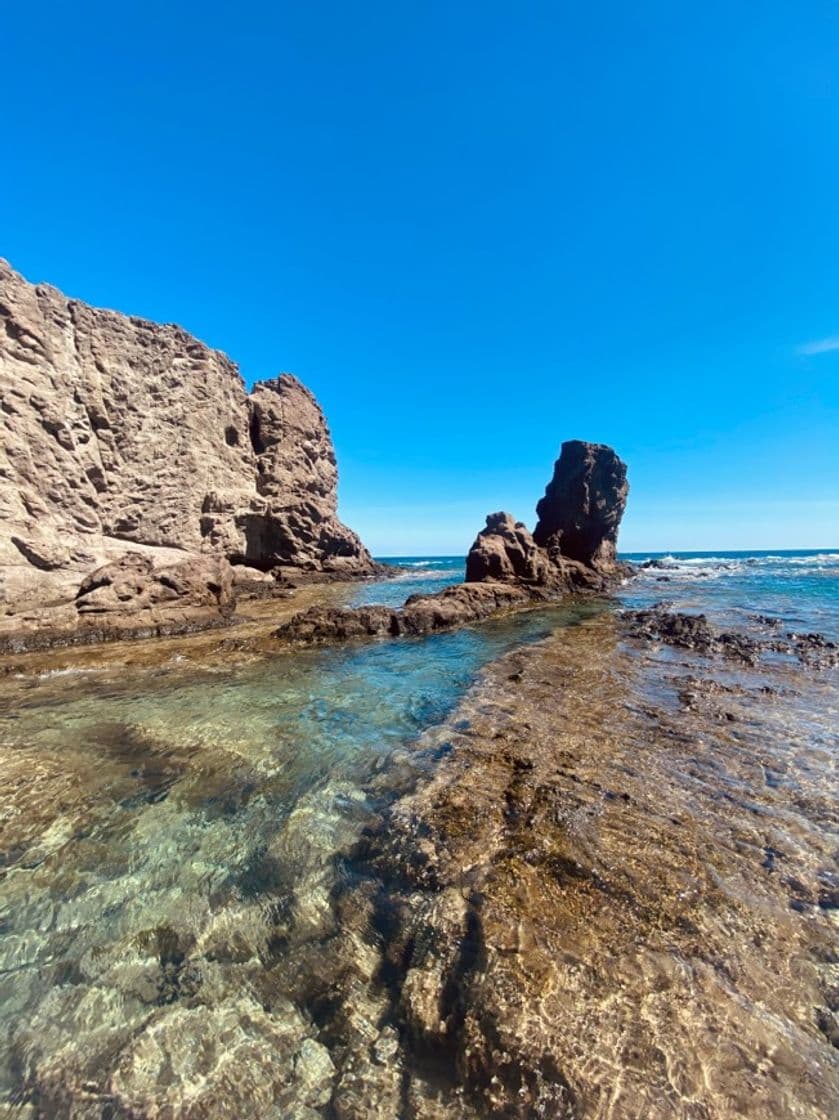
(799, 589)
(153, 825)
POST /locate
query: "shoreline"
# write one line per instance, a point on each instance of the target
(588, 898)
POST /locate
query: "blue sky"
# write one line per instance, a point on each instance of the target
(474, 230)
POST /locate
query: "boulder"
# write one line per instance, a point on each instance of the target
(132, 584)
(506, 551)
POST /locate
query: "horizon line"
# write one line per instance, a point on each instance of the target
(624, 552)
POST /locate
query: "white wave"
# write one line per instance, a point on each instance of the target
(423, 575)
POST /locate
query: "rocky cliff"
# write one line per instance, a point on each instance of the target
(120, 434)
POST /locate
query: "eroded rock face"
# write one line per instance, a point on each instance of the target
(574, 544)
(583, 504)
(117, 431)
(132, 584)
(506, 551)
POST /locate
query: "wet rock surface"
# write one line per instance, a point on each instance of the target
(120, 434)
(694, 632)
(579, 925)
(455, 606)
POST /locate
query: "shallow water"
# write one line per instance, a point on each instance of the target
(173, 842)
(152, 819)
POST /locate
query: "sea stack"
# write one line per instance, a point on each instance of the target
(574, 543)
(122, 435)
(583, 505)
(573, 549)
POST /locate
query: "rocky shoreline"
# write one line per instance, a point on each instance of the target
(599, 901)
(602, 887)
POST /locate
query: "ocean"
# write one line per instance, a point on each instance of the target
(798, 588)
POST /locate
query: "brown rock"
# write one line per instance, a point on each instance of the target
(422, 614)
(506, 551)
(118, 433)
(131, 584)
(506, 567)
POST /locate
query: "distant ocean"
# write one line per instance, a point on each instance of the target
(798, 587)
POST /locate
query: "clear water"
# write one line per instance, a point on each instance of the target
(422, 575)
(186, 807)
(800, 589)
(153, 817)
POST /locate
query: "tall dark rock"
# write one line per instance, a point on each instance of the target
(574, 544)
(583, 504)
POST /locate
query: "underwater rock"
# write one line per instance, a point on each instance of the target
(693, 632)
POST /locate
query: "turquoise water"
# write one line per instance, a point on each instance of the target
(799, 589)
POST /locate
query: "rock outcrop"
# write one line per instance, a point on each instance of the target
(421, 614)
(583, 505)
(506, 552)
(120, 434)
(574, 544)
(507, 567)
(132, 584)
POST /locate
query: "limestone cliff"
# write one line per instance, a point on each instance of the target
(121, 434)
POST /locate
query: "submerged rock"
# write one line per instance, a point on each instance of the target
(693, 632)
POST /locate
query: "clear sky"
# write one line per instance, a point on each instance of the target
(474, 229)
